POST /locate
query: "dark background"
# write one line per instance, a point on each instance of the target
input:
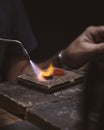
(56, 24)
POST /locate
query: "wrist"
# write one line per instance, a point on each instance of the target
(60, 61)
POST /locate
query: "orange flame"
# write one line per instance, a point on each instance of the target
(40, 74)
(45, 73)
(48, 71)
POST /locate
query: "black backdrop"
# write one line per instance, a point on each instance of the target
(56, 24)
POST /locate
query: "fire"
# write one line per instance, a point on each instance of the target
(42, 73)
(45, 73)
(48, 71)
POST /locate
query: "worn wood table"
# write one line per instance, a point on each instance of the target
(60, 110)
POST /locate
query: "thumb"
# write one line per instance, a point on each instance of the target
(99, 48)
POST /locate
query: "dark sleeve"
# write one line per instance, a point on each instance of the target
(21, 29)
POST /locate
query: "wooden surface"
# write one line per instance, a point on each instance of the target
(63, 114)
(11, 122)
(59, 110)
(55, 84)
(26, 103)
(23, 125)
(7, 118)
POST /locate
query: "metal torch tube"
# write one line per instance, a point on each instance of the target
(10, 41)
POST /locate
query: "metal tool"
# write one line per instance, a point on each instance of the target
(10, 41)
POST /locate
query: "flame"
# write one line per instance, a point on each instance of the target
(48, 71)
(45, 73)
(42, 73)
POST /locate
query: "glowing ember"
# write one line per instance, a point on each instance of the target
(41, 74)
(58, 72)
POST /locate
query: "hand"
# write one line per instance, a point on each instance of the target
(89, 44)
(17, 66)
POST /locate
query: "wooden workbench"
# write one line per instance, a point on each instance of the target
(60, 110)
